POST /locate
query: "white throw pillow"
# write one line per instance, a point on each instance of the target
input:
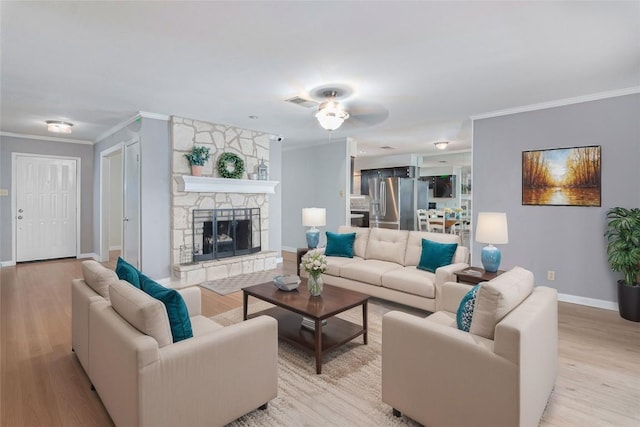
(142, 311)
(497, 297)
(98, 277)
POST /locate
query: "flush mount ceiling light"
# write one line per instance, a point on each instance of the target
(58, 126)
(441, 144)
(330, 114)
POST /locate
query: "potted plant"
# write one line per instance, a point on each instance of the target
(623, 251)
(197, 158)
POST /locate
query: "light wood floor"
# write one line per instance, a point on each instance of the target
(43, 383)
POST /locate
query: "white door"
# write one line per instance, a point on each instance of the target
(46, 208)
(131, 204)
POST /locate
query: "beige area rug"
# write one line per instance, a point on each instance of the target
(347, 393)
(233, 284)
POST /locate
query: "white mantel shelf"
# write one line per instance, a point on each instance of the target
(206, 184)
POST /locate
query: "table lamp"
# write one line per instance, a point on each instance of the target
(313, 217)
(491, 229)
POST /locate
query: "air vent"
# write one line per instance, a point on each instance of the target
(387, 147)
(302, 102)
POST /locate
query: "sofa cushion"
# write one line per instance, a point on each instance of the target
(410, 280)
(387, 245)
(443, 318)
(362, 237)
(340, 245)
(368, 271)
(435, 255)
(497, 297)
(414, 245)
(142, 311)
(128, 272)
(203, 325)
(98, 277)
(465, 310)
(335, 264)
(176, 308)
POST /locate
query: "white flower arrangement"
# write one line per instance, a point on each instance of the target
(314, 263)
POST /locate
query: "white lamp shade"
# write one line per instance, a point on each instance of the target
(314, 217)
(492, 228)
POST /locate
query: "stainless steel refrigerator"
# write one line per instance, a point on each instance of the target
(393, 202)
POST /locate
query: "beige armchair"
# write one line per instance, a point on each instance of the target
(144, 379)
(439, 375)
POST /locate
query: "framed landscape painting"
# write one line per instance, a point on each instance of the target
(562, 177)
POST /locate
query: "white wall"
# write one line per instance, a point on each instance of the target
(115, 204)
(568, 240)
(315, 176)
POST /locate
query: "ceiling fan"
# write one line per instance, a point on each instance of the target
(336, 106)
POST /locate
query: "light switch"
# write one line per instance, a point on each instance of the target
(4, 192)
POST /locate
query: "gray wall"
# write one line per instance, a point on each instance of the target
(568, 240)
(275, 200)
(9, 145)
(155, 194)
(313, 177)
(155, 172)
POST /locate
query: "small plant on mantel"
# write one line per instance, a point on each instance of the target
(197, 159)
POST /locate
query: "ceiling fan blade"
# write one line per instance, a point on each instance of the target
(363, 114)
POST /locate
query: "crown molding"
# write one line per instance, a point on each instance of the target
(122, 125)
(47, 138)
(558, 103)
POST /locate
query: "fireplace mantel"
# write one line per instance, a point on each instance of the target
(206, 184)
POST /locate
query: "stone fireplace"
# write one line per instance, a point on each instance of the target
(195, 258)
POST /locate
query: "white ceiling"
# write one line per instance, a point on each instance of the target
(428, 65)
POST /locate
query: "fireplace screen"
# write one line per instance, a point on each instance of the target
(221, 233)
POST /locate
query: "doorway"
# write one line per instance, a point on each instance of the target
(46, 207)
(120, 201)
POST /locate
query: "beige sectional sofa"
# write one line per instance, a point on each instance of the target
(123, 339)
(384, 266)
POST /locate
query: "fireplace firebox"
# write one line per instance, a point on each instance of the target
(221, 233)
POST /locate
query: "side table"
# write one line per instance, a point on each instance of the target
(475, 275)
(300, 252)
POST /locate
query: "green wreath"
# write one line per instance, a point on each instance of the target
(230, 166)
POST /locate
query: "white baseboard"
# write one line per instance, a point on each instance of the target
(591, 302)
(7, 263)
(115, 248)
(89, 255)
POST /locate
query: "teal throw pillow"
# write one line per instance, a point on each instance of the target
(340, 244)
(128, 272)
(176, 308)
(465, 310)
(435, 255)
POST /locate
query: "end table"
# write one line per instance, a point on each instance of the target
(300, 252)
(475, 275)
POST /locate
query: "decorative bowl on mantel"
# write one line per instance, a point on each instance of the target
(287, 283)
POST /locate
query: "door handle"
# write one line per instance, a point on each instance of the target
(125, 219)
(20, 211)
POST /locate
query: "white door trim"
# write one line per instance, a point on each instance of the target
(105, 193)
(14, 187)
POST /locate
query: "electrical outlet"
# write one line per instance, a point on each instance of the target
(551, 275)
(4, 192)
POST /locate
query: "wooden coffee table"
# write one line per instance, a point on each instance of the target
(292, 306)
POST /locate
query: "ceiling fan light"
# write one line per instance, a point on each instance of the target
(441, 144)
(58, 126)
(330, 115)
